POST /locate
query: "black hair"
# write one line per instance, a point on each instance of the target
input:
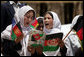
(50, 14)
(40, 20)
(33, 13)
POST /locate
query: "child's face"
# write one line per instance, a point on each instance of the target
(28, 18)
(48, 21)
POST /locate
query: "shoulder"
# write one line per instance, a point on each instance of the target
(8, 28)
(7, 32)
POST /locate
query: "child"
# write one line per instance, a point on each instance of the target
(25, 15)
(41, 25)
(52, 25)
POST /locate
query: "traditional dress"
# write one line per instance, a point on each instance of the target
(24, 42)
(56, 29)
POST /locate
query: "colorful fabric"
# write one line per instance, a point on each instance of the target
(51, 43)
(16, 30)
(34, 24)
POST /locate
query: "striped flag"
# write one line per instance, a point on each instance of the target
(78, 27)
(17, 34)
(51, 43)
(34, 24)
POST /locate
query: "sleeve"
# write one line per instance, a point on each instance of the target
(7, 32)
(74, 42)
(68, 46)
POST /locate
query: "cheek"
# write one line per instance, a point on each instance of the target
(25, 20)
(51, 21)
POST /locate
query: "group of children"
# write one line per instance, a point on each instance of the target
(49, 23)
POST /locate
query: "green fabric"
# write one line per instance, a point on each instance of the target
(32, 26)
(13, 36)
(50, 48)
(35, 45)
(41, 35)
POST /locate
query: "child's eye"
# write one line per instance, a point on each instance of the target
(44, 18)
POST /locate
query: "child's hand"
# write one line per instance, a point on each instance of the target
(60, 42)
(31, 49)
(39, 50)
(18, 39)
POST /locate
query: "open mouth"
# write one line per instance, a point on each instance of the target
(46, 24)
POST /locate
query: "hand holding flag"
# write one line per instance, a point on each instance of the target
(17, 34)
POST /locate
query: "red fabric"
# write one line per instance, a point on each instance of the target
(17, 31)
(35, 23)
(36, 35)
(80, 33)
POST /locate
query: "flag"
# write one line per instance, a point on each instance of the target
(36, 38)
(34, 24)
(51, 43)
(16, 34)
(78, 27)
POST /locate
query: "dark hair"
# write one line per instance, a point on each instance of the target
(50, 14)
(40, 20)
(33, 13)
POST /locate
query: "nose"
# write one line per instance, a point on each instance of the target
(30, 19)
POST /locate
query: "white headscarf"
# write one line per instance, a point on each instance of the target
(20, 17)
(75, 20)
(22, 11)
(56, 29)
(56, 24)
(39, 17)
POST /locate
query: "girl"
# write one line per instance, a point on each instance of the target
(25, 15)
(52, 25)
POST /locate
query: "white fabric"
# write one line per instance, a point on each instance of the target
(15, 6)
(65, 29)
(56, 24)
(39, 17)
(56, 29)
(75, 43)
(25, 30)
(22, 12)
(72, 38)
(7, 32)
(75, 20)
